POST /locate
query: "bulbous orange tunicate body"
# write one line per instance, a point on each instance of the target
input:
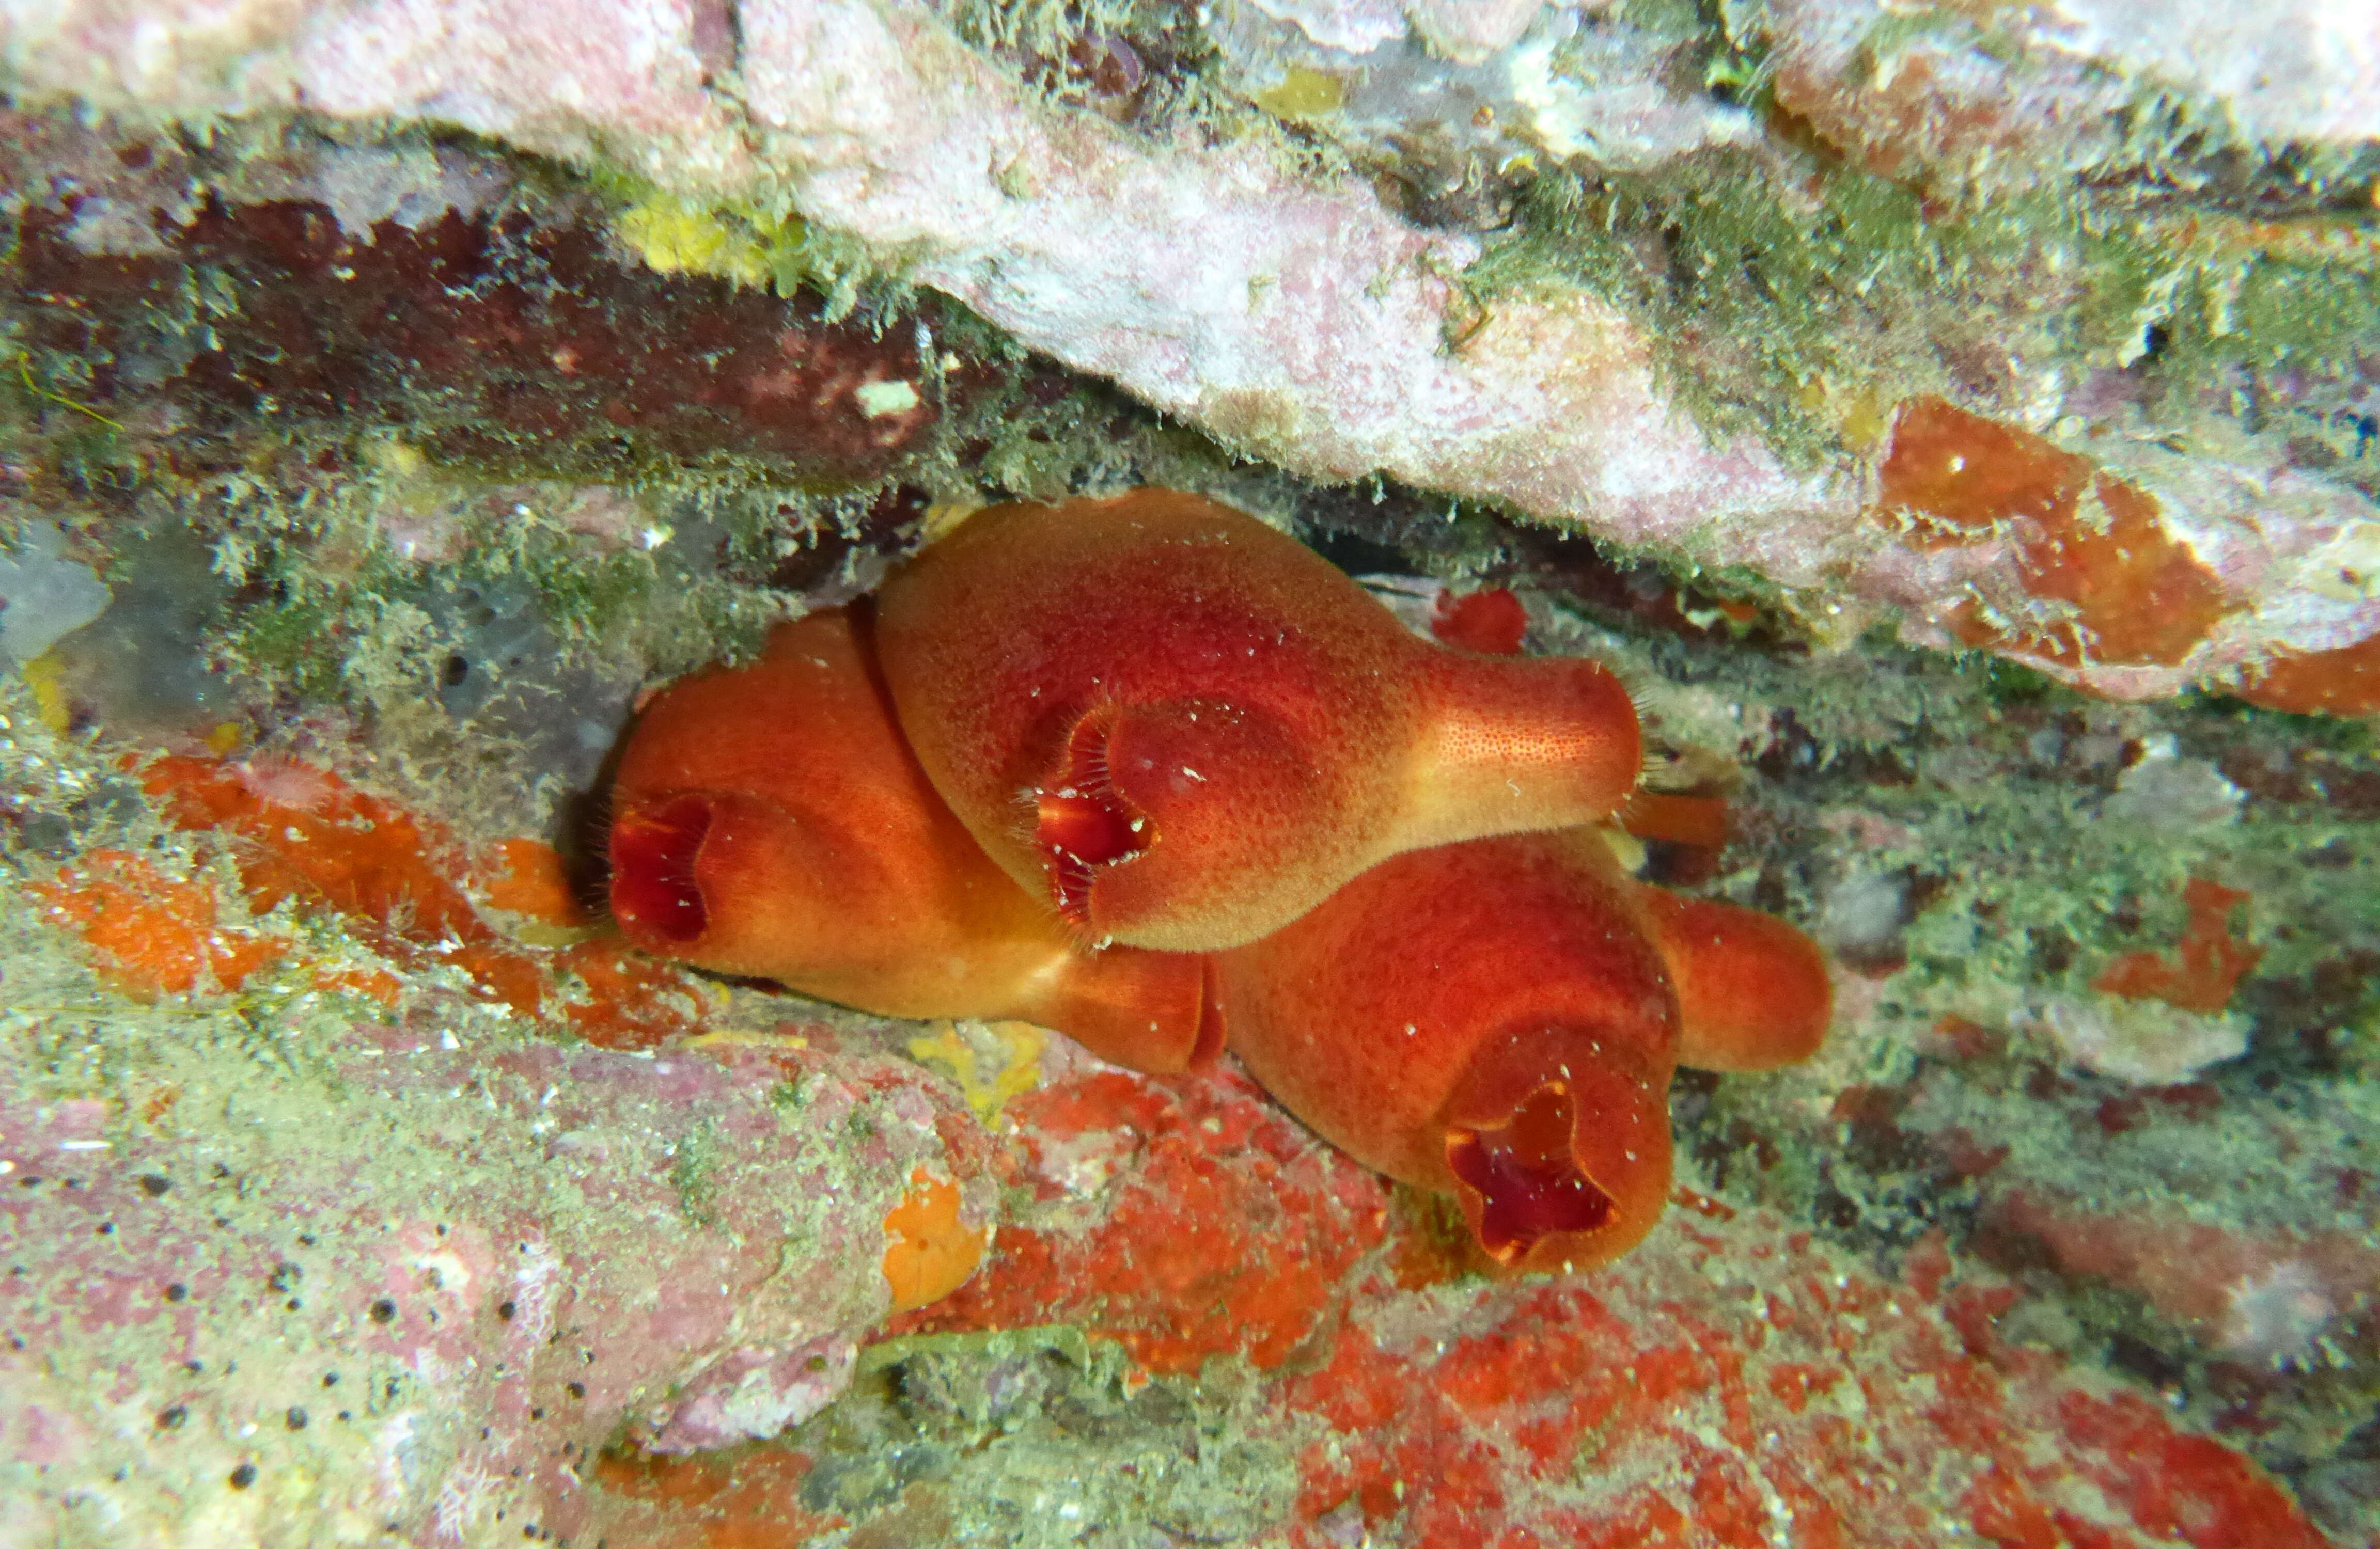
(1499, 1021)
(769, 820)
(1186, 729)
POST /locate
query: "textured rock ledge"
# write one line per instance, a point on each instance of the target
(404, 1284)
(1290, 311)
(311, 1239)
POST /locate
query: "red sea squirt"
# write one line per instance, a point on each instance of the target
(1496, 1017)
(1499, 1021)
(1185, 728)
(771, 821)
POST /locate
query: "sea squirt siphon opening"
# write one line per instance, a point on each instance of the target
(1080, 821)
(654, 894)
(1527, 1180)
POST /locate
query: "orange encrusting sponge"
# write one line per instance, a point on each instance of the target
(2119, 588)
(1499, 1020)
(2211, 962)
(769, 820)
(1185, 730)
(304, 835)
(928, 1251)
(152, 934)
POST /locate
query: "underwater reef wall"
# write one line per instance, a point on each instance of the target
(1723, 289)
(1956, 427)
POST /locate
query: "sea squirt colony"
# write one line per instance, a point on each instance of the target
(1149, 773)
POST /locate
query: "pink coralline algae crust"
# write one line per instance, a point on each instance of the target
(559, 80)
(2264, 1298)
(1728, 1383)
(1297, 320)
(2010, 97)
(414, 1293)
